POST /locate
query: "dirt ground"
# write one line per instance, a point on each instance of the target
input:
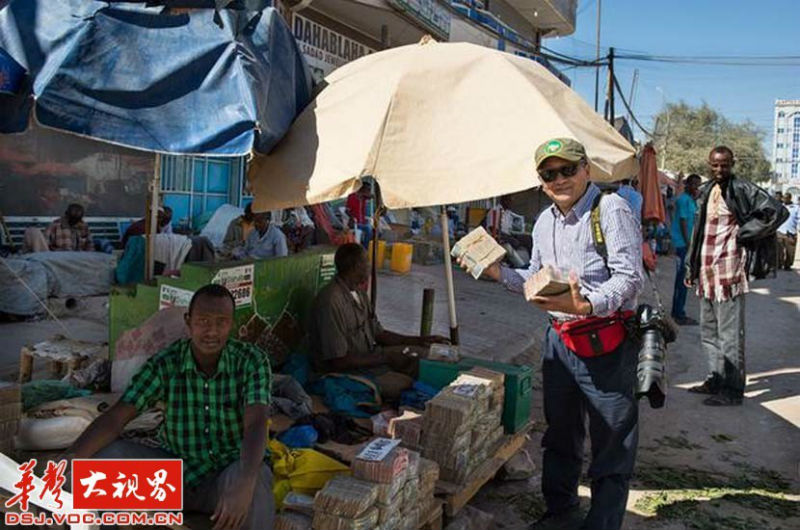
(697, 467)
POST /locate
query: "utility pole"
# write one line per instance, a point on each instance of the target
(666, 144)
(633, 93)
(597, 58)
(611, 86)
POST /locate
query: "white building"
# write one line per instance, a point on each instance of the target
(786, 146)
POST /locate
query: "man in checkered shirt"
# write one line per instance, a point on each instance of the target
(70, 231)
(734, 216)
(216, 395)
(67, 233)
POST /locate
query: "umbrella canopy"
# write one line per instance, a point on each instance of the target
(653, 207)
(134, 76)
(433, 123)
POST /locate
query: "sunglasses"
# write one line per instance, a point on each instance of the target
(550, 175)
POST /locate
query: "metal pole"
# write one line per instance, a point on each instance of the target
(151, 221)
(597, 58)
(448, 272)
(633, 94)
(373, 288)
(426, 322)
(611, 86)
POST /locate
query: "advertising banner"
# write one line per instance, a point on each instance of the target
(43, 171)
(239, 281)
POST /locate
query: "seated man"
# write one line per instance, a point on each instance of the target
(216, 393)
(138, 228)
(298, 228)
(238, 230)
(346, 338)
(264, 241)
(67, 233)
(499, 222)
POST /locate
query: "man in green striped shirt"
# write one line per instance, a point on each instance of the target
(216, 393)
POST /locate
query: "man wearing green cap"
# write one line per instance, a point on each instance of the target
(585, 372)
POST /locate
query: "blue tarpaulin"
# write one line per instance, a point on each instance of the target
(136, 76)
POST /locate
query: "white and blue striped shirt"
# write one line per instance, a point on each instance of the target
(565, 241)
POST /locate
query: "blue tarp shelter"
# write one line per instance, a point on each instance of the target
(199, 82)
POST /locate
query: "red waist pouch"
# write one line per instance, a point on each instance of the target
(593, 336)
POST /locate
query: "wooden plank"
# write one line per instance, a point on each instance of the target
(25, 365)
(457, 496)
(341, 452)
(435, 518)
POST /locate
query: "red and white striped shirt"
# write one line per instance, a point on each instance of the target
(722, 261)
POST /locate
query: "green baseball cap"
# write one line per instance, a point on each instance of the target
(565, 148)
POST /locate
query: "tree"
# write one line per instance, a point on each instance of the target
(684, 136)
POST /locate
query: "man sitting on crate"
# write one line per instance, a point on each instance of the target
(346, 336)
(585, 372)
(216, 393)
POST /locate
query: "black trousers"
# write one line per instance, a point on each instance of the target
(602, 388)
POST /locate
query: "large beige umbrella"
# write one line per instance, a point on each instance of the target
(432, 123)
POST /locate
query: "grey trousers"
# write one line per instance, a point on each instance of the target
(204, 497)
(722, 336)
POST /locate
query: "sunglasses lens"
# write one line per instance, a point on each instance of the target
(569, 171)
(550, 175)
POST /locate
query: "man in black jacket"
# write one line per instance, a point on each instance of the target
(734, 219)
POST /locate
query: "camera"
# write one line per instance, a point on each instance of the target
(655, 332)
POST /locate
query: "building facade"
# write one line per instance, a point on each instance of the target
(786, 146)
(330, 33)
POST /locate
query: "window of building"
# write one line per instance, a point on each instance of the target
(781, 114)
(794, 170)
(780, 130)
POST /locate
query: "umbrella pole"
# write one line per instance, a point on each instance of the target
(151, 221)
(376, 216)
(448, 273)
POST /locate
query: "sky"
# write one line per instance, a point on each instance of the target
(691, 28)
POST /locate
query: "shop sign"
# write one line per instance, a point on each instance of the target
(239, 281)
(170, 296)
(325, 50)
(431, 13)
(327, 270)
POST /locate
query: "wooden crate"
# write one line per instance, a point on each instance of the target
(10, 413)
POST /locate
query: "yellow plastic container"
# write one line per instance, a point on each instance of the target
(381, 253)
(401, 257)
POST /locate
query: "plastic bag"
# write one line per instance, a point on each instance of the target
(301, 470)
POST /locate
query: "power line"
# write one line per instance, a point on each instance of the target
(719, 60)
(628, 108)
(579, 61)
